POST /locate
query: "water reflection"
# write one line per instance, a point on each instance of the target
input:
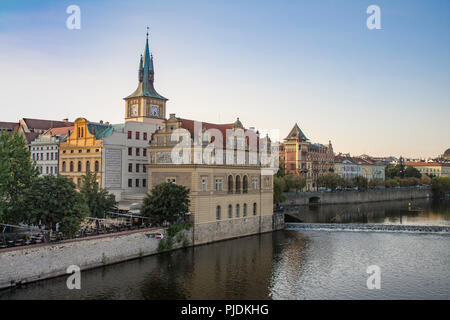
(408, 212)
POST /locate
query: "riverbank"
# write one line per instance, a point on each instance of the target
(343, 197)
(31, 263)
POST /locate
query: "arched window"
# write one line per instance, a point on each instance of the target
(237, 210)
(238, 184)
(230, 211)
(71, 166)
(254, 209)
(79, 183)
(79, 166)
(88, 166)
(245, 184)
(96, 166)
(64, 166)
(230, 184)
(244, 210)
(218, 213)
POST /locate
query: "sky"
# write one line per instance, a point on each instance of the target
(271, 63)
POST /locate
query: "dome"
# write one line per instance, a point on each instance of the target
(447, 152)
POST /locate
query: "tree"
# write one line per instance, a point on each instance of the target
(412, 172)
(329, 180)
(281, 170)
(98, 200)
(425, 179)
(54, 199)
(299, 183)
(391, 183)
(16, 174)
(401, 167)
(360, 182)
(288, 182)
(440, 185)
(278, 188)
(391, 172)
(376, 183)
(166, 202)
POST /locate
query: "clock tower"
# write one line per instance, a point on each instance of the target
(145, 104)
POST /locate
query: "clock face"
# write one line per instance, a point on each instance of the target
(134, 110)
(154, 111)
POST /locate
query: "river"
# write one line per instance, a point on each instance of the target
(288, 264)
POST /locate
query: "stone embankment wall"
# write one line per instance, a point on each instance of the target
(304, 198)
(31, 263)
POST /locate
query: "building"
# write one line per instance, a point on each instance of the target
(118, 153)
(45, 150)
(9, 126)
(371, 169)
(28, 125)
(230, 193)
(346, 166)
(433, 169)
(301, 157)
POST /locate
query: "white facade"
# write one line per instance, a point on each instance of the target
(125, 158)
(45, 153)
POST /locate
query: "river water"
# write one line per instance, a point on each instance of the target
(288, 264)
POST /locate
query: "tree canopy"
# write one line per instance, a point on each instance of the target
(98, 200)
(166, 202)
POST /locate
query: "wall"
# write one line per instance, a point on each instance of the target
(49, 260)
(302, 198)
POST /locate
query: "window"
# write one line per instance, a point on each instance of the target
(71, 166)
(218, 213)
(144, 182)
(230, 211)
(255, 184)
(130, 167)
(244, 210)
(46, 170)
(137, 167)
(219, 184)
(138, 151)
(171, 180)
(64, 166)
(130, 151)
(88, 150)
(238, 184)
(79, 166)
(254, 209)
(51, 170)
(144, 168)
(88, 166)
(130, 183)
(137, 182)
(51, 156)
(237, 210)
(203, 184)
(144, 152)
(34, 156)
(230, 184)
(245, 184)
(79, 182)
(145, 135)
(129, 135)
(137, 135)
(96, 166)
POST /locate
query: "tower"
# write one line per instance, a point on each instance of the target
(145, 104)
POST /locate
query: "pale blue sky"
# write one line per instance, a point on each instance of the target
(270, 63)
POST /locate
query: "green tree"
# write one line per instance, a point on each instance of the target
(166, 202)
(53, 199)
(411, 172)
(440, 185)
(299, 183)
(281, 170)
(98, 200)
(360, 182)
(16, 174)
(288, 182)
(376, 183)
(392, 183)
(329, 180)
(278, 188)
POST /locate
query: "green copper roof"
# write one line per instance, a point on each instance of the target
(100, 130)
(146, 77)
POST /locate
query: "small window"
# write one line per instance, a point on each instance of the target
(144, 182)
(230, 211)
(244, 210)
(137, 135)
(203, 184)
(129, 135)
(96, 166)
(130, 183)
(137, 182)
(137, 167)
(138, 151)
(130, 167)
(254, 209)
(145, 135)
(144, 152)
(71, 166)
(171, 180)
(144, 168)
(219, 184)
(218, 213)
(130, 151)
(237, 210)
(88, 166)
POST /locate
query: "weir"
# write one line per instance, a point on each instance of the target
(367, 227)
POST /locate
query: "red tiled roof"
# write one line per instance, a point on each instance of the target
(422, 163)
(30, 136)
(9, 125)
(45, 124)
(60, 131)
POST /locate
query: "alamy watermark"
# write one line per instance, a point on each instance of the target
(74, 20)
(374, 20)
(374, 280)
(74, 280)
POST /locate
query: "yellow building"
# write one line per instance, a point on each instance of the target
(227, 199)
(431, 168)
(81, 152)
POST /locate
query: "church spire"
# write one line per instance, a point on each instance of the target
(146, 76)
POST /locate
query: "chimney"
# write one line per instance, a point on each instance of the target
(65, 120)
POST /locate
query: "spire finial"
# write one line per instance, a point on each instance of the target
(147, 32)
